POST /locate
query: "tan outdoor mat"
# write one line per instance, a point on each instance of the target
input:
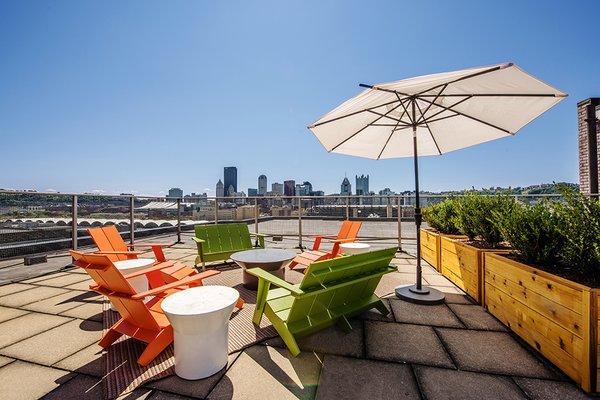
(124, 374)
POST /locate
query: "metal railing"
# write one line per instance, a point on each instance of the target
(40, 223)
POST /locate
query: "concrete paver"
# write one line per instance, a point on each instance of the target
(350, 378)
(494, 352)
(405, 343)
(447, 384)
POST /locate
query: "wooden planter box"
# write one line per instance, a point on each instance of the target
(463, 265)
(431, 246)
(556, 316)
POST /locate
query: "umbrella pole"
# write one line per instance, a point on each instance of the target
(417, 293)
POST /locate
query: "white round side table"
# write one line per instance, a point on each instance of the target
(139, 283)
(354, 248)
(200, 320)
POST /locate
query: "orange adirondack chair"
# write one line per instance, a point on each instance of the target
(348, 233)
(110, 243)
(140, 319)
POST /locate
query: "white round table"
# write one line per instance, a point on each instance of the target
(139, 283)
(354, 248)
(200, 320)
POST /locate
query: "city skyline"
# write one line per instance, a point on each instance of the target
(83, 78)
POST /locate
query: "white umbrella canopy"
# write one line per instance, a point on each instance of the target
(452, 110)
(432, 115)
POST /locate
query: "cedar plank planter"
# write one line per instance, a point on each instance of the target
(463, 265)
(556, 316)
(431, 246)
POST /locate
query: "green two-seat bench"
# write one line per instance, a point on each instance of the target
(330, 292)
(219, 242)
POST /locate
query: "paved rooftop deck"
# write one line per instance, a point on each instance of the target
(50, 325)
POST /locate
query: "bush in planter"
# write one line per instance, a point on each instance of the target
(440, 216)
(474, 216)
(533, 231)
(579, 224)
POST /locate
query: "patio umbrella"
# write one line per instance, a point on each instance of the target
(432, 115)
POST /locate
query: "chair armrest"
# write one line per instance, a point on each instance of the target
(183, 282)
(127, 253)
(349, 240)
(152, 245)
(148, 270)
(258, 234)
(265, 275)
(199, 241)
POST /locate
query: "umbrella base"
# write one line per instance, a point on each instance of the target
(426, 295)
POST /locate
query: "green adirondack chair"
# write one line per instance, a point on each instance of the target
(331, 292)
(218, 242)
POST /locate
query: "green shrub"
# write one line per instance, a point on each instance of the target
(533, 232)
(440, 216)
(579, 223)
(474, 216)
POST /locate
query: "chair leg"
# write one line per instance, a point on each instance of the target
(240, 303)
(156, 346)
(382, 308)
(109, 338)
(344, 324)
(287, 337)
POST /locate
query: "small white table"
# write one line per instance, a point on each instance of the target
(139, 283)
(200, 320)
(354, 248)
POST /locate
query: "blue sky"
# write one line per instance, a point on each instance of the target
(142, 96)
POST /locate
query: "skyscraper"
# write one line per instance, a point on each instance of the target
(175, 193)
(220, 190)
(230, 178)
(289, 188)
(277, 187)
(346, 188)
(362, 185)
(262, 185)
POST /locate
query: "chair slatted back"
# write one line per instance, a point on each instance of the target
(338, 283)
(113, 285)
(224, 237)
(108, 238)
(349, 229)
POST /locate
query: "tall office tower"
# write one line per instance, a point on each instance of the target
(588, 121)
(175, 193)
(230, 179)
(262, 185)
(220, 191)
(304, 189)
(346, 188)
(231, 191)
(277, 188)
(289, 188)
(252, 192)
(362, 185)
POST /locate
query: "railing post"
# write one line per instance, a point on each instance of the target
(178, 220)
(216, 210)
(300, 223)
(256, 221)
(131, 220)
(347, 207)
(399, 212)
(74, 222)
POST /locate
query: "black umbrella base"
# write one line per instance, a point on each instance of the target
(426, 295)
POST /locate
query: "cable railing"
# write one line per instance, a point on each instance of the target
(34, 223)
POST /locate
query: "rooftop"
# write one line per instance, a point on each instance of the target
(51, 324)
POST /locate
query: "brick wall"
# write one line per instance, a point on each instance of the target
(589, 144)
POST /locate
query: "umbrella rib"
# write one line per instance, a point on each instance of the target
(362, 129)
(429, 106)
(470, 117)
(441, 118)
(429, 130)
(386, 142)
(450, 106)
(405, 110)
(462, 78)
(494, 95)
(351, 114)
(383, 115)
